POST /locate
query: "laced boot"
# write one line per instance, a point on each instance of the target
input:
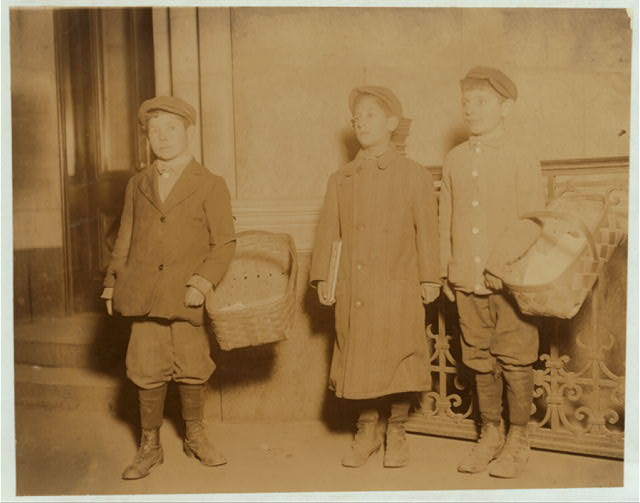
(489, 388)
(196, 444)
(149, 455)
(150, 451)
(485, 450)
(367, 440)
(514, 456)
(396, 453)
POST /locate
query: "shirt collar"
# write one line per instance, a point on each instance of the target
(494, 139)
(174, 166)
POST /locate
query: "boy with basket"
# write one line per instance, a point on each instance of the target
(383, 208)
(175, 243)
(488, 183)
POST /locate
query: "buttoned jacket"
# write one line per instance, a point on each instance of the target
(487, 184)
(162, 246)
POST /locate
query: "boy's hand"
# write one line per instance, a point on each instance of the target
(448, 291)
(430, 292)
(323, 293)
(492, 282)
(107, 295)
(193, 297)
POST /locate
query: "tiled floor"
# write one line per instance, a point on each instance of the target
(62, 452)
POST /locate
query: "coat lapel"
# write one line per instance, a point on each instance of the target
(148, 187)
(190, 180)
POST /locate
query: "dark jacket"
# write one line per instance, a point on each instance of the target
(160, 246)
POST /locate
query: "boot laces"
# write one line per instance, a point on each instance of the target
(516, 445)
(148, 444)
(489, 440)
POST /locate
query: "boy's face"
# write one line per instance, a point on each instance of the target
(372, 125)
(168, 135)
(483, 110)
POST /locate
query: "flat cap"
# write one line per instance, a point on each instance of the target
(386, 95)
(502, 84)
(170, 104)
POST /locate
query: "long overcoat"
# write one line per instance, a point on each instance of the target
(384, 210)
(162, 245)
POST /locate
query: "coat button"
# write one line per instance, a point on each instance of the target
(474, 173)
(359, 267)
(475, 203)
(360, 227)
(475, 230)
(478, 288)
(358, 303)
(160, 267)
(476, 259)
(477, 149)
(162, 218)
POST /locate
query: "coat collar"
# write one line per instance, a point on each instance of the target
(382, 161)
(188, 182)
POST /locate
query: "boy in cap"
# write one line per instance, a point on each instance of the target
(383, 208)
(175, 243)
(488, 182)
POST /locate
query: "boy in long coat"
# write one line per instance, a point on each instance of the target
(383, 208)
(175, 243)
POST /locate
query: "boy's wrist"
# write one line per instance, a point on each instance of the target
(107, 293)
(200, 283)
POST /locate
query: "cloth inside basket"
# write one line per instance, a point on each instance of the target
(511, 246)
(550, 257)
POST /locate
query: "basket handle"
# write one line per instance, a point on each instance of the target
(537, 215)
(294, 264)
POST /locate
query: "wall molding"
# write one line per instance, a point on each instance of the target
(296, 217)
(299, 217)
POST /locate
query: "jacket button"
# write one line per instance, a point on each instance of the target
(160, 267)
(359, 267)
(358, 303)
(162, 218)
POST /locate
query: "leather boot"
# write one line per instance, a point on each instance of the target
(513, 458)
(150, 451)
(396, 453)
(515, 454)
(196, 444)
(488, 447)
(367, 440)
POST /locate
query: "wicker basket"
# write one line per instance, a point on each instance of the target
(584, 219)
(254, 302)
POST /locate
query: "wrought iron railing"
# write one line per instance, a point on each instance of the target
(579, 376)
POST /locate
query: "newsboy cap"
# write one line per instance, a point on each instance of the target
(384, 94)
(502, 84)
(170, 104)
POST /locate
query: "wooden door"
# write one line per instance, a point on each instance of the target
(105, 70)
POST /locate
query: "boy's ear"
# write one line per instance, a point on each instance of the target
(507, 107)
(392, 123)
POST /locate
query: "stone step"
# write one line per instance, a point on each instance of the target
(86, 341)
(85, 389)
(70, 388)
